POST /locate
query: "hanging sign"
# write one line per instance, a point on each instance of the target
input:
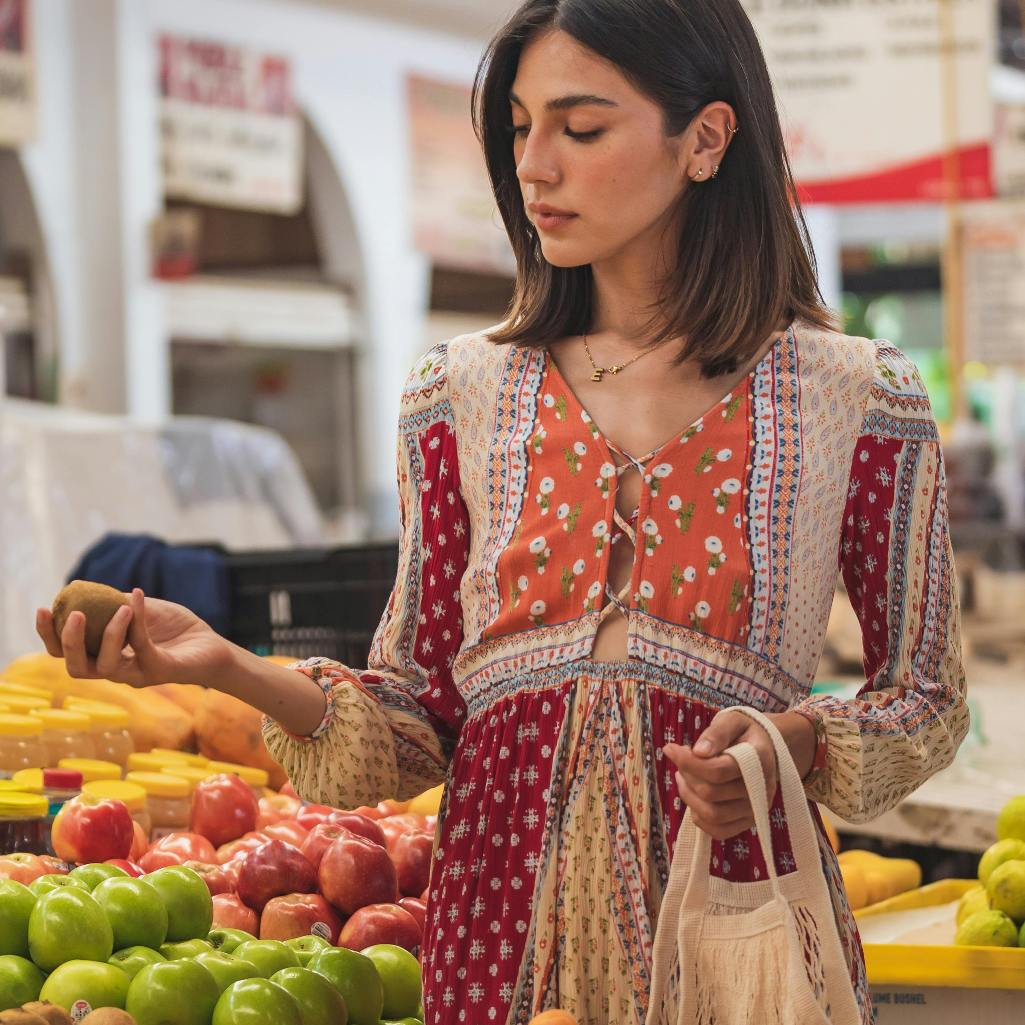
(455, 220)
(993, 237)
(231, 132)
(862, 87)
(17, 74)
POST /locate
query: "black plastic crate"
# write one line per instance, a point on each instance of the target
(305, 602)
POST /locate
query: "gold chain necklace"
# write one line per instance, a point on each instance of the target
(600, 372)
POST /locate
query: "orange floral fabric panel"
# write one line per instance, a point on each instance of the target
(691, 561)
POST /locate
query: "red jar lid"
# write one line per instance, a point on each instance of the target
(62, 779)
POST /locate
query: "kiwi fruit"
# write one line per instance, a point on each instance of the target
(97, 601)
(19, 1016)
(52, 1014)
(107, 1016)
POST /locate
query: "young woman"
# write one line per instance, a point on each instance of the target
(623, 510)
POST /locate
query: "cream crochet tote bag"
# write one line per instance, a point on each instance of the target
(761, 953)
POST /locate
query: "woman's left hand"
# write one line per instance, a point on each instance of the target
(710, 782)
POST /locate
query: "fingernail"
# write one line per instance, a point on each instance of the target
(702, 747)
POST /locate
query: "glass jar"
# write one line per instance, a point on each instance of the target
(168, 800)
(21, 744)
(133, 796)
(178, 756)
(23, 826)
(256, 778)
(91, 768)
(59, 786)
(66, 734)
(108, 724)
(193, 773)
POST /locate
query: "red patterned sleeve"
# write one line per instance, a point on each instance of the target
(911, 715)
(390, 727)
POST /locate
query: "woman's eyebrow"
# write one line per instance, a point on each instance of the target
(565, 102)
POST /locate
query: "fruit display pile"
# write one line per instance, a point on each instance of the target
(992, 914)
(266, 910)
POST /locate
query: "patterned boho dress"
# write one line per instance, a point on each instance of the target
(560, 811)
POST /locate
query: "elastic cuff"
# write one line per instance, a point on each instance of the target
(818, 765)
(325, 674)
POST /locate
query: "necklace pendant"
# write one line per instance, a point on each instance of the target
(614, 370)
(597, 375)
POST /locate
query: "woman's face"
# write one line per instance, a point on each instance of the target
(588, 144)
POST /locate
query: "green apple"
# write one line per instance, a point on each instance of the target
(319, 1002)
(400, 976)
(256, 1002)
(93, 875)
(190, 909)
(401, 1021)
(228, 939)
(269, 956)
(135, 911)
(307, 947)
(227, 968)
(98, 985)
(356, 978)
(20, 981)
(16, 904)
(132, 960)
(68, 925)
(185, 948)
(172, 993)
(48, 883)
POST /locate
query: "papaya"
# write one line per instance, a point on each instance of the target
(856, 886)
(553, 1018)
(428, 803)
(228, 730)
(184, 695)
(831, 834)
(155, 721)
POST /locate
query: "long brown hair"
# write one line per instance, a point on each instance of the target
(744, 257)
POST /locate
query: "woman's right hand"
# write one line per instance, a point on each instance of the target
(147, 642)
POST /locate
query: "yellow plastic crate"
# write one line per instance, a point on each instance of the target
(940, 984)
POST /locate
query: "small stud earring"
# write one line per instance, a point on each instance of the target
(715, 170)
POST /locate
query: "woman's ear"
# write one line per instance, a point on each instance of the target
(707, 139)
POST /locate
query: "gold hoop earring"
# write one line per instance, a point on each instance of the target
(733, 131)
(699, 175)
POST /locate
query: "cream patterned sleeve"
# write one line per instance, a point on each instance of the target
(389, 729)
(911, 716)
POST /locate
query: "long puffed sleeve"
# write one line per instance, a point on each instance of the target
(390, 728)
(909, 719)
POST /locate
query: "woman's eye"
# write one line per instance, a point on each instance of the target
(519, 129)
(584, 136)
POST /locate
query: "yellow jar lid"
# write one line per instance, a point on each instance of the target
(4, 709)
(159, 784)
(133, 795)
(91, 768)
(146, 761)
(24, 704)
(178, 756)
(7, 687)
(22, 806)
(193, 773)
(248, 774)
(14, 725)
(63, 719)
(13, 786)
(101, 714)
(29, 780)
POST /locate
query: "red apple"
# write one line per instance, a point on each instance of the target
(425, 895)
(360, 825)
(231, 870)
(223, 809)
(89, 829)
(380, 923)
(176, 849)
(231, 913)
(287, 830)
(274, 869)
(411, 854)
(140, 842)
(299, 914)
(370, 813)
(417, 908)
(431, 823)
(354, 872)
(313, 815)
(243, 845)
(54, 866)
(288, 790)
(216, 879)
(22, 868)
(127, 866)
